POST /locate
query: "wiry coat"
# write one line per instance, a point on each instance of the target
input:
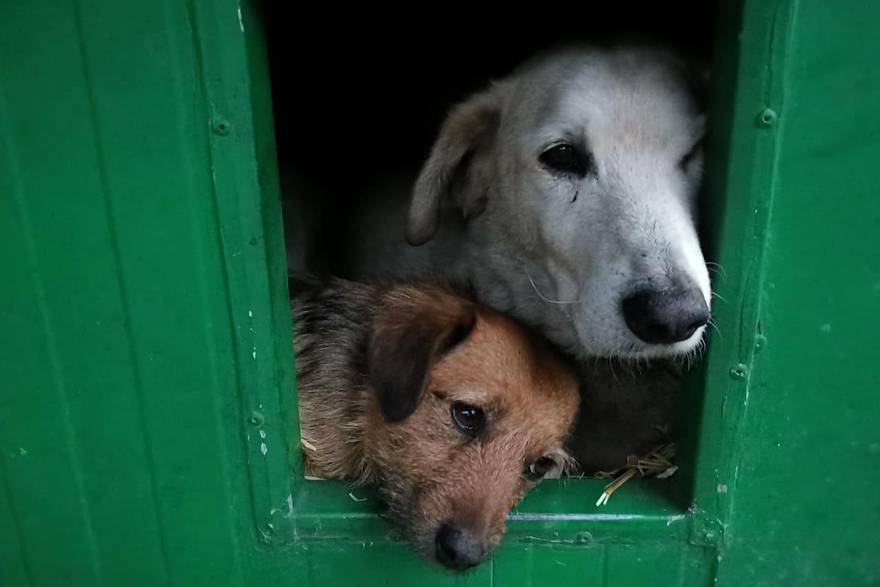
(381, 372)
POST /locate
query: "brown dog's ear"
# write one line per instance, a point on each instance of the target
(412, 329)
(469, 128)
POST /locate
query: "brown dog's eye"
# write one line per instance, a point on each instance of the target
(467, 418)
(539, 469)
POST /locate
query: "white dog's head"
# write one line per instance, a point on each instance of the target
(579, 175)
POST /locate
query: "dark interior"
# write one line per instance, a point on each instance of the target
(359, 98)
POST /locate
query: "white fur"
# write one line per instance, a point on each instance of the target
(558, 252)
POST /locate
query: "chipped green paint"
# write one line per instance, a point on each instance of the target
(146, 357)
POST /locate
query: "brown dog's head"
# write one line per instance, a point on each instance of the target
(469, 414)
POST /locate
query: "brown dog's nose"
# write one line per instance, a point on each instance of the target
(665, 316)
(457, 548)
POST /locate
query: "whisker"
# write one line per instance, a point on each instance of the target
(542, 296)
(717, 268)
(611, 367)
(711, 323)
(720, 297)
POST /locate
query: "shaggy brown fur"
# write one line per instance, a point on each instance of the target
(378, 371)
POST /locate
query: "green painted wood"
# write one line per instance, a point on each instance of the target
(120, 394)
(549, 564)
(615, 564)
(559, 512)
(805, 508)
(146, 358)
(67, 344)
(736, 215)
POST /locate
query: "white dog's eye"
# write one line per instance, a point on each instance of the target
(566, 158)
(686, 161)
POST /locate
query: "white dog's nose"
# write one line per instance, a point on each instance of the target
(665, 316)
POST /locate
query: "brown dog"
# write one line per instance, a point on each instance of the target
(449, 407)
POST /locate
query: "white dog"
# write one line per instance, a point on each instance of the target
(565, 195)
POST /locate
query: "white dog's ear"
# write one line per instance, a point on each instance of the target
(470, 127)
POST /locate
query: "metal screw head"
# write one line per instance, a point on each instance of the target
(767, 118)
(222, 127)
(739, 371)
(583, 538)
